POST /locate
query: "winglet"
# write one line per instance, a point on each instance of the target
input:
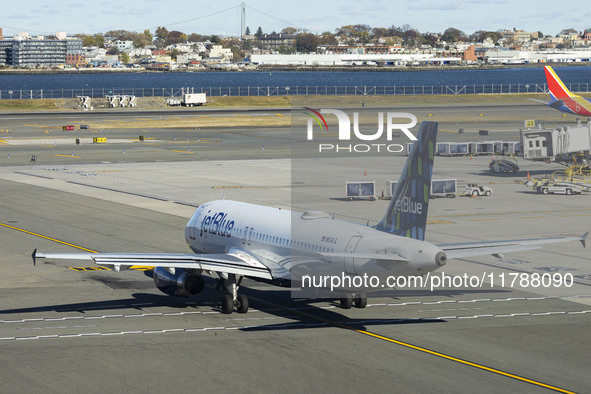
(583, 239)
(34, 255)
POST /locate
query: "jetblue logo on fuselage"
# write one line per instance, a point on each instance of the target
(217, 223)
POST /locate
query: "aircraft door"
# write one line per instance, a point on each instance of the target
(350, 261)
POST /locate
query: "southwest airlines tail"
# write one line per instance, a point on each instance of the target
(562, 99)
(407, 213)
(556, 87)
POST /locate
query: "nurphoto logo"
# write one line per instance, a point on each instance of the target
(392, 124)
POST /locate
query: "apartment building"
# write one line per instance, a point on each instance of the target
(39, 52)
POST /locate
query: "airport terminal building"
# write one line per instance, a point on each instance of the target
(26, 52)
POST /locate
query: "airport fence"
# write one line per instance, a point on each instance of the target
(290, 91)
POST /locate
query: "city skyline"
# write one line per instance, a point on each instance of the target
(39, 17)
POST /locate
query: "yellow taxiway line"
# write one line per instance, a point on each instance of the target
(421, 349)
(48, 238)
(96, 268)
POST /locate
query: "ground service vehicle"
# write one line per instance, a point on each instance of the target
(546, 187)
(188, 100)
(503, 165)
(191, 99)
(474, 190)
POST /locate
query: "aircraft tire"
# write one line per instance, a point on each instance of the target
(346, 302)
(227, 304)
(242, 303)
(360, 302)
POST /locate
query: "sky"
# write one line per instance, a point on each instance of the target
(222, 17)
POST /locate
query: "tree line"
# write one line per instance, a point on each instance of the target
(305, 41)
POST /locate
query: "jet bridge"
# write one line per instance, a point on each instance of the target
(554, 144)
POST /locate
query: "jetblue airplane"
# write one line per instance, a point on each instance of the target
(232, 240)
(562, 99)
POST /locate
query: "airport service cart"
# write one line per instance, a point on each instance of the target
(365, 190)
(444, 187)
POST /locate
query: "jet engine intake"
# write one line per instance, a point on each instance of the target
(179, 284)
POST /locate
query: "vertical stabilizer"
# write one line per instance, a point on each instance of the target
(557, 88)
(407, 213)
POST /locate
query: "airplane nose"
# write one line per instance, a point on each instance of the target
(440, 259)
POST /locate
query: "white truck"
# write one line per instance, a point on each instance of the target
(191, 99)
(188, 100)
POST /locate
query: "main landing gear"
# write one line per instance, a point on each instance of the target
(232, 300)
(357, 300)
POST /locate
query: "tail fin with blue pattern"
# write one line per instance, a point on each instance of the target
(407, 213)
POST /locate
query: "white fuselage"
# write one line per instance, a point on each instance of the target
(291, 243)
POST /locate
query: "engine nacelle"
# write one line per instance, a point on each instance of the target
(180, 284)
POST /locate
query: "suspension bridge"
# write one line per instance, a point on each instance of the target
(237, 20)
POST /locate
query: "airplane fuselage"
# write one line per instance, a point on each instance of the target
(572, 105)
(291, 244)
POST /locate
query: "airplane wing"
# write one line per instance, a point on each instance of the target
(231, 263)
(369, 256)
(496, 248)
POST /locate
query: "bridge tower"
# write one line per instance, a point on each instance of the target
(242, 19)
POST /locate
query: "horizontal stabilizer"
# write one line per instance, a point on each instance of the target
(461, 250)
(556, 104)
(495, 251)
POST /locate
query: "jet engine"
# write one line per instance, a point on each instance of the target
(178, 282)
